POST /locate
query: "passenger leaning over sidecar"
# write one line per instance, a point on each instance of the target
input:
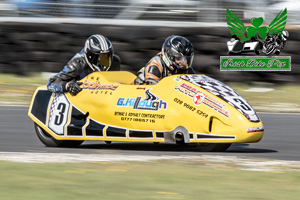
(97, 55)
(176, 57)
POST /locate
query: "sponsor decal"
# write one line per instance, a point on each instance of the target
(139, 117)
(256, 38)
(177, 80)
(151, 102)
(191, 108)
(255, 129)
(224, 92)
(200, 97)
(141, 88)
(98, 86)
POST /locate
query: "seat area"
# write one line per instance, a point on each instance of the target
(121, 77)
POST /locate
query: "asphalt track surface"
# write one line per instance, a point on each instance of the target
(281, 140)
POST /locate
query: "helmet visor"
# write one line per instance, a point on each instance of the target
(104, 59)
(183, 62)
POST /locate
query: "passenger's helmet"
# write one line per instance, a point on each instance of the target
(98, 52)
(177, 54)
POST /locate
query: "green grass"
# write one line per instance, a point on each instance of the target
(149, 180)
(19, 90)
(282, 99)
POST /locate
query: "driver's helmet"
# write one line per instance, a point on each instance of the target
(178, 54)
(98, 52)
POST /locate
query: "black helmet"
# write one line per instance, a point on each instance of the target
(178, 54)
(98, 52)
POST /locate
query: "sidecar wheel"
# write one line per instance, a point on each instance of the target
(213, 147)
(50, 141)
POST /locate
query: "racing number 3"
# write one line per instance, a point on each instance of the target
(60, 117)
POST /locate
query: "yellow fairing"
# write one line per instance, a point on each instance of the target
(109, 108)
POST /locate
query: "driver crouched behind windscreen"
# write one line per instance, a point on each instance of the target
(97, 55)
(176, 57)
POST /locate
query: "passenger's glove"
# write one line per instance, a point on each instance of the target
(73, 87)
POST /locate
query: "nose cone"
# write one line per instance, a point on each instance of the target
(251, 132)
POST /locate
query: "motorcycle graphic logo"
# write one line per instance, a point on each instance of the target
(263, 40)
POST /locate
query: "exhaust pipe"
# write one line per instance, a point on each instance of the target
(179, 137)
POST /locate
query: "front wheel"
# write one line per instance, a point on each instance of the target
(213, 147)
(50, 141)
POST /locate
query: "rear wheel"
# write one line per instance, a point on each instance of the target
(213, 147)
(50, 141)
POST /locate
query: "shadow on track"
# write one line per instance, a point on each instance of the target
(169, 147)
(244, 148)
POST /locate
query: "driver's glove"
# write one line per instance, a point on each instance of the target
(73, 87)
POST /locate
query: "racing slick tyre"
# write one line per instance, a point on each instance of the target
(50, 141)
(213, 147)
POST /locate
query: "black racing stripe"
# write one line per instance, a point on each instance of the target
(159, 134)
(140, 134)
(94, 129)
(191, 136)
(78, 120)
(115, 132)
(40, 105)
(214, 136)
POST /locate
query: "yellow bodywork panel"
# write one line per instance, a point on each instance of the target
(110, 108)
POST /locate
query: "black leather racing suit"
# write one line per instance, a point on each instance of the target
(76, 69)
(155, 70)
